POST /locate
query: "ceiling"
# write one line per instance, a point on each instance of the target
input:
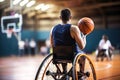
(79, 7)
(106, 9)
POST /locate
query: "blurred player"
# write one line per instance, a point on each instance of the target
(32, 45)
(21, 45)
(66, 34)
(105, 47)
(26, 47)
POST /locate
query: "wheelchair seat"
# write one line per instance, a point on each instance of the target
(63, 54)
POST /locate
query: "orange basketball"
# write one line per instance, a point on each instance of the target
(86, 25)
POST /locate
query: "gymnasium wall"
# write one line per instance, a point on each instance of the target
(10, 46)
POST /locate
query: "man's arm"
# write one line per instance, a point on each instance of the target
(76, 34)
(110, 45)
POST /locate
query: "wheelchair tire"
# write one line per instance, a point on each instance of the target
(89, 70)
(39, 71)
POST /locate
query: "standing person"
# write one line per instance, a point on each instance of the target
(32, 45)
(26, 46)
(43, 50)
(66, 34)
(104, 46)
(21, 44)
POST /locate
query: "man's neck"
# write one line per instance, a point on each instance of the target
(65, 22)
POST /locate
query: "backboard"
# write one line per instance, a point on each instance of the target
(11, 22)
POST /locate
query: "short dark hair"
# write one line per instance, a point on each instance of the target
(105, 37)
(65, 14)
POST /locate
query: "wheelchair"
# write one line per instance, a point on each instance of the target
(102, 54)
(52, 67)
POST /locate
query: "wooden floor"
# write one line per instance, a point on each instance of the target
(24, 68)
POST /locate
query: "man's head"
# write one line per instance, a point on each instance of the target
(65, 14)
(105, 37)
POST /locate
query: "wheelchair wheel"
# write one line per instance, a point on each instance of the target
(41, 68)
(89, 70)
(50, 71)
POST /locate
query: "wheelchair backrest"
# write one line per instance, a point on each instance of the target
(63, 54)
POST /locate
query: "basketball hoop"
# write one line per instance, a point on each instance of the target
(9, 33)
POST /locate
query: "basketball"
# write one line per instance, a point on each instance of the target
(86, 25)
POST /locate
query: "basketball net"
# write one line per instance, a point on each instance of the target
(9, 33)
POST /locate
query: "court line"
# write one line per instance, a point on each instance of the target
(106, 67)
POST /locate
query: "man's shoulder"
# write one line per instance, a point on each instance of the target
(57, 25)
(74, 27)
(102, 40)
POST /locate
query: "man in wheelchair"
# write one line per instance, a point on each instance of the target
(66, 34)
(66, 61)
(104, 49)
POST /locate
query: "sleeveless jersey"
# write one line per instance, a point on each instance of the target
(62, 37)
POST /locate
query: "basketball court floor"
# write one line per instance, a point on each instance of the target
(25, 68)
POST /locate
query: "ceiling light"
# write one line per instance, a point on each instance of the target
(2, 0)
(15, 2)
(45, 7)
(39, 6)
(24, 2)
(30, 3)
